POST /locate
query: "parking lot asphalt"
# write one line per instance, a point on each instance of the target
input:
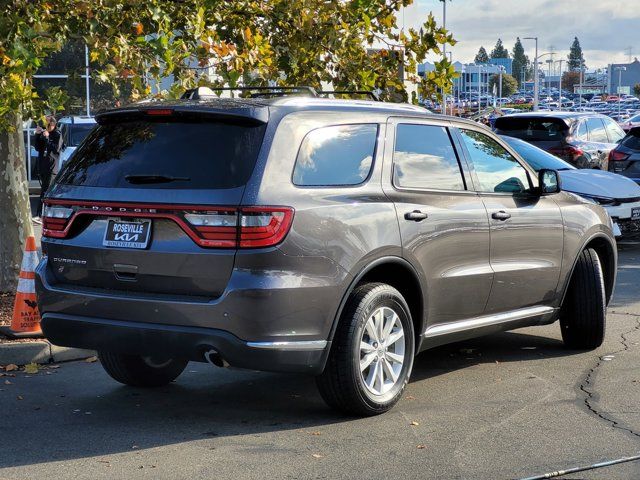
(504, 406)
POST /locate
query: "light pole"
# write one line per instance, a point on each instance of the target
(581, 79)
(620, 70)
(536, 93)
(500, 88)
(452, 86)
(479, 87)
(549, 62)
(560, 85)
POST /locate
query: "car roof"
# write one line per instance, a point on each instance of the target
(258, 109)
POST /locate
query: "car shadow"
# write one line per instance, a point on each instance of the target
(514, 346)
(82, 413)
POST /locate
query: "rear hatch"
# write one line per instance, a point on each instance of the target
(625, 158)
(149, 202)
(545, 132)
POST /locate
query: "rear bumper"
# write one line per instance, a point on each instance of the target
(183, 342)
(263, 321)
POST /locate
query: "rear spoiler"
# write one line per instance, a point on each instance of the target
(251, 115)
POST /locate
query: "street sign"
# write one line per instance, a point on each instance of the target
(624, 90)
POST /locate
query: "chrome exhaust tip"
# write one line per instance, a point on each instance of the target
(214, 358)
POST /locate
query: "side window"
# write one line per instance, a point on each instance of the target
(582, 133)
(336, 155)
(424, 158)
(597, 132)
(497, 170)
(614, 131)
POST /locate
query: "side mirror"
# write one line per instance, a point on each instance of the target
(549, 181)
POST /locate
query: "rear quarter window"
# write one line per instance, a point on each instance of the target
(338, 155)
(197, 155)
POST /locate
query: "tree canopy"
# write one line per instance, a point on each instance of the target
(499, 51)
(576, 58)
(352, 44)
(509, 84)
(520, 60)
(481, 56)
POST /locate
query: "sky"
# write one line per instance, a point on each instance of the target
(605, 28)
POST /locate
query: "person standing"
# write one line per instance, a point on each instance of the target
(48, 144)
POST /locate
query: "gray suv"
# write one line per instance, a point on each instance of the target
(330, 237)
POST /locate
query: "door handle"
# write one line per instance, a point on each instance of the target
(415, 216)
(501, 215)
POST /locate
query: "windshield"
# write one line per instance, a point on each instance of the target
(537, 158)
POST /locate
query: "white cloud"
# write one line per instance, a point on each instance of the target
(605, 27)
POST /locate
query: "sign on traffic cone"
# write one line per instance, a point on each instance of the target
(26, 317)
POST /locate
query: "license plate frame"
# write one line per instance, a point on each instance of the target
(635, 213)
(132, 234)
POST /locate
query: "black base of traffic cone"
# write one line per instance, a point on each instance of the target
(7, 332)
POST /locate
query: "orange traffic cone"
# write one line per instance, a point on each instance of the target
(26, 317)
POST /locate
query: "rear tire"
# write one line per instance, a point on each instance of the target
(139, 371)
(372, 352)
(583, 313)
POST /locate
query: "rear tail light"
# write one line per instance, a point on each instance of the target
(264, 226)
(249, 227)
(215, 228)
(566, 152)
(55, 220)
(212, 227)
(617, 156)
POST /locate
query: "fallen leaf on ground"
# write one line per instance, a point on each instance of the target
(315, 433)
(11, 367)
(410, 397)
(421, 447)
(91, 359)
(31, 368)
(20, 397)
(7, 382)
(317, 455)
(414, 424)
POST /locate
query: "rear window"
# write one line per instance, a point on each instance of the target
(632, 140)
(532, 128)
(170, 155)
(337, 155)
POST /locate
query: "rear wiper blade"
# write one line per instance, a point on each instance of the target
(154, 178)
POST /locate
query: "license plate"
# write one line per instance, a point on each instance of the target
(127, 233)
(635, 213)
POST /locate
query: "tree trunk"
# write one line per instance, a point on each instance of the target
(15, 212)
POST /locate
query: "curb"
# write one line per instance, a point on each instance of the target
(39, 352)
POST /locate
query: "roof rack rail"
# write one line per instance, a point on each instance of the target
(368, 93)
(276, 91)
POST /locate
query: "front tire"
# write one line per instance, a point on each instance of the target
(583, 313)
(139, 371)
(372, 352)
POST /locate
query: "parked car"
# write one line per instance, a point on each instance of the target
(582, 139)
(620, 196)
(630, 122)
(336, 238)
(73, 129)
(625, 158)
